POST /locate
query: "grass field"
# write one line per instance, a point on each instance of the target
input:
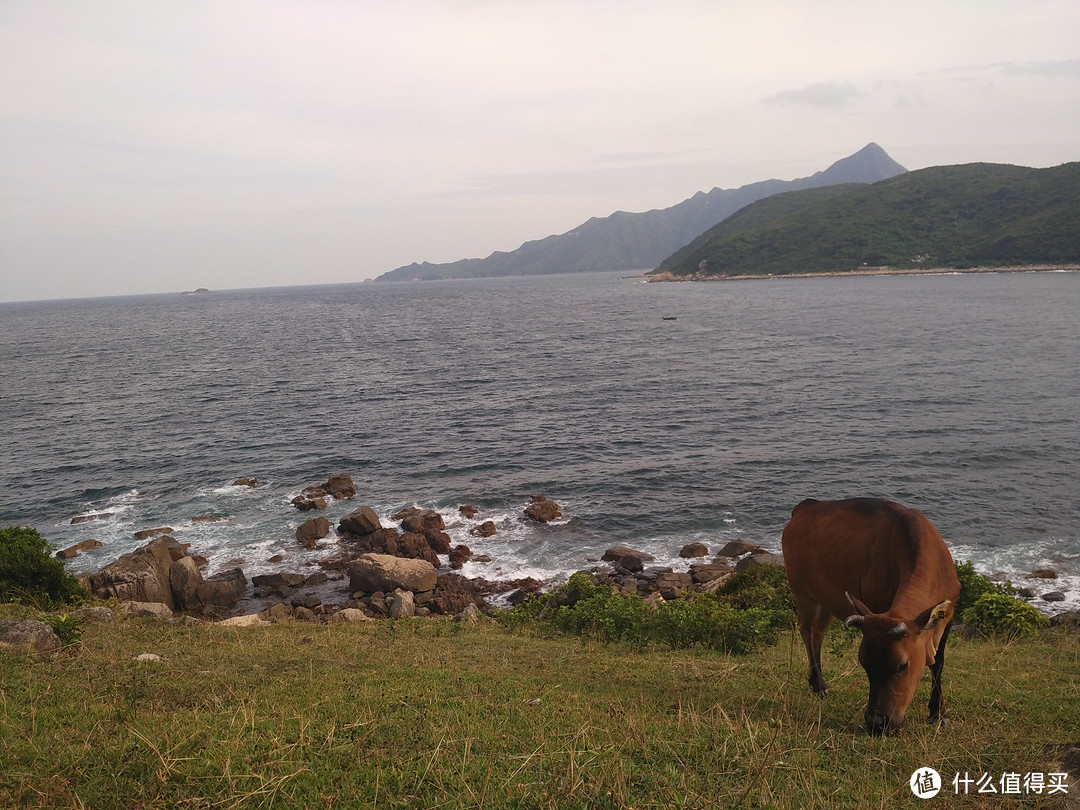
(429, 713)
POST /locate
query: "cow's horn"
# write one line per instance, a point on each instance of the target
(898, 631)
(854, 620)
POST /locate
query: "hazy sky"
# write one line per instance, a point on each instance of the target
(160, 146)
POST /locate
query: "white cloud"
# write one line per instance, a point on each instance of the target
(822, 94)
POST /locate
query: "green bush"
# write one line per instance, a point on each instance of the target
(973, 586)
(1004, 616)
(756, 606)
(30, 573)
(763, 587)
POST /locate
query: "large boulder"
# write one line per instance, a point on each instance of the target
(311, 531)
(27, 635)
(360, 521)
(543, 510)
(382, 572)
(141, 575)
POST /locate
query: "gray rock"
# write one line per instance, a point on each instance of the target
(401, 604)
(145, 610)
(97, 615)
(470, 614)
(28, 636)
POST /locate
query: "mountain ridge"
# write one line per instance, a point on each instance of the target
(950, 216)
(635, 241)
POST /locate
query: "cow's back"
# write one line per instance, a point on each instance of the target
(863, 546)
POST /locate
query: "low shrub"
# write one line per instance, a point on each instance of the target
(66, 626)
(973, 586)
(30, 573)
(1002, 616)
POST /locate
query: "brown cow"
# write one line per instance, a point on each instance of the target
(887, 569)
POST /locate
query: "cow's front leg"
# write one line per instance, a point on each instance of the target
(937, 707)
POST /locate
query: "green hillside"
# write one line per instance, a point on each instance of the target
(944, 216)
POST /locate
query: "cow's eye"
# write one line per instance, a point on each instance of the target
(900, 670)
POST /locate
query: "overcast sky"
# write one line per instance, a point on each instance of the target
(164, 146)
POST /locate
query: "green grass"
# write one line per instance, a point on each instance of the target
(427, 713)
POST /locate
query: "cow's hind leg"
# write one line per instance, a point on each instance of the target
(937, 708)
(814, 620)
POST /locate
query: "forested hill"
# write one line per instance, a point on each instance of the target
(944, 216)
(626, 241)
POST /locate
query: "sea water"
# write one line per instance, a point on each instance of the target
(655, 414)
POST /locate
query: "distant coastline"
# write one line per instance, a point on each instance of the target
(868, 271)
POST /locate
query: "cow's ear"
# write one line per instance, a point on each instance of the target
(930, 617)
(857, 606)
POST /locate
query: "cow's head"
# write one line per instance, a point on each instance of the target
(893, 652)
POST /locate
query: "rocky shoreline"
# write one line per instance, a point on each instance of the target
(375, 571)
(411, 569)
(866, 271)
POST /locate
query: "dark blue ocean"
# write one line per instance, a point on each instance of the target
(656, 414)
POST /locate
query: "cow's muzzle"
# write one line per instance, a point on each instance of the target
(878, 723)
